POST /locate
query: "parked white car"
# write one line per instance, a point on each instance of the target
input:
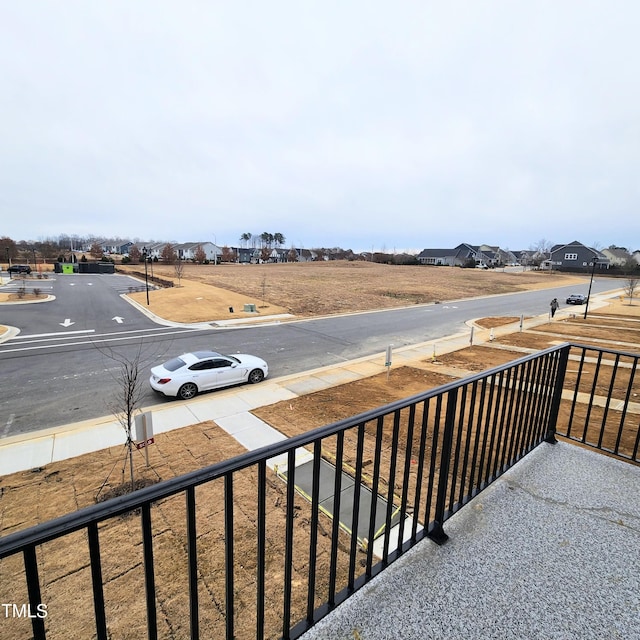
(190, 373)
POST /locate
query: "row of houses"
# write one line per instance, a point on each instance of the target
(189, 251)
(573, 256)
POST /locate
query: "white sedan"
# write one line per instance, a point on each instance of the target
(190, 373)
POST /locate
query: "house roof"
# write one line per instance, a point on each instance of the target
(436, 253)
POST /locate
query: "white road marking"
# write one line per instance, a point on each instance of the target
(47, 335)
(105, 338)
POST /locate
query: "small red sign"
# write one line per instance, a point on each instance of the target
(144, 443)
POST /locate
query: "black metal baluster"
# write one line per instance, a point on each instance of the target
(96, 581)
(149, 575)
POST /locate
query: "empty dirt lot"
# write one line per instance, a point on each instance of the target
(323, 288)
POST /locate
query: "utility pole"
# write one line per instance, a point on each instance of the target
(593, 268)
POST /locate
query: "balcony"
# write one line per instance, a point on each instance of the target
(548, 551)
(458, 515)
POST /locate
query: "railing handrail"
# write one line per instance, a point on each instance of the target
(68, 523)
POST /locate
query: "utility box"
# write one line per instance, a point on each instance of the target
(250, 308)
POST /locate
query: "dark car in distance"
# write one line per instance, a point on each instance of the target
(577, 298)
(19, 268)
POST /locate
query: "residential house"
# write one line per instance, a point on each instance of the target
(575, 256)
(525, 258)
(618, 257)
(117, 246)
(458, 256)
(437, 257)
(153, 249)
(498, 256)
(188, 251)
(306, 255)
(247, 255)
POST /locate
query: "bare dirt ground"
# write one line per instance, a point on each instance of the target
(324, 288)
(34, 496)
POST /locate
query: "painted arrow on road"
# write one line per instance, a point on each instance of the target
(118, 319)
(67, 323)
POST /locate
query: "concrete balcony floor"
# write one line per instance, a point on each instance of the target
(550, 550)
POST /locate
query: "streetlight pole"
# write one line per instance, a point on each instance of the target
(146, 277)
(593, 269)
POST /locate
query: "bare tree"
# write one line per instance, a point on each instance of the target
(127, 398)
(179, 270)
(630, 286)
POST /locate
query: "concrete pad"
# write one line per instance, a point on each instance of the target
(243, 421)
(257, 437)
(326, 486)
(347, 497)
(251, 432)
(304, 478)
(280, 464)
(378, 545)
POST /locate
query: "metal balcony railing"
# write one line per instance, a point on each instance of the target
(321, 513)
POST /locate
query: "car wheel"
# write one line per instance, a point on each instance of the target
(187, 390)
(257, 375)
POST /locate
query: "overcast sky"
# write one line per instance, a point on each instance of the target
(386, 125)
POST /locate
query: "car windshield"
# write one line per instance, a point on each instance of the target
(174, 364)
(234, 359)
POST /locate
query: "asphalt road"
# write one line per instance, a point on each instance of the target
(63, 366)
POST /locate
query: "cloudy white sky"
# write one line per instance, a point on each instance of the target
(392, 125)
